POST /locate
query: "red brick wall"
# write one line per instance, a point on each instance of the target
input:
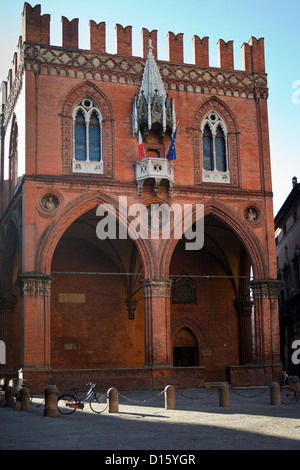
(54, 90)
(98, 323)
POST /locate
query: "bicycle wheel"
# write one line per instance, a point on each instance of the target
(98, 402)
(63, 403)
(287, 394)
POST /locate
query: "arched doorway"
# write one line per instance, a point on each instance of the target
(97, 308)
(185, 349)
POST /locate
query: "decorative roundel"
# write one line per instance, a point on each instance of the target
(87, 103)
(252, 214)
(50, 202)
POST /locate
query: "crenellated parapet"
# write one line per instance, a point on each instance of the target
(69, 33)
(36, 29)
(97, 36)
(253, 55)
(201, 51)
(35, 53)
(225, 54)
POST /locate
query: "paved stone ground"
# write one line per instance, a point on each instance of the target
(143, 423)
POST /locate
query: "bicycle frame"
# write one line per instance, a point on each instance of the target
(289, 392)
(81, 401)
(73, 401)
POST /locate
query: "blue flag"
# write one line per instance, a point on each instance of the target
(171, 155)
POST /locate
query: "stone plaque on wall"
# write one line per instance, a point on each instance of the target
(72, 298)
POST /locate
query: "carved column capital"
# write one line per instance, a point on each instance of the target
(156, 287)
(243, 307)
(265, 288)
(35, 284)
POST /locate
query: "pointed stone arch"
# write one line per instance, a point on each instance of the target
(236, 224)
(78, 207)
(186, 323)
(90, 91)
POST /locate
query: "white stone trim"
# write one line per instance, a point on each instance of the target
(215, 175)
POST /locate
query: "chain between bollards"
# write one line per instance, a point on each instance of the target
(51, 397)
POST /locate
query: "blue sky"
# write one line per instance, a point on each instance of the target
(276, 21)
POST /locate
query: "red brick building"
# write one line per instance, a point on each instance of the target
(144, 312)
(287, 240)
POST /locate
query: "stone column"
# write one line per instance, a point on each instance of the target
(158, 347)
(35, 290)
(244, 310)
(265, 295)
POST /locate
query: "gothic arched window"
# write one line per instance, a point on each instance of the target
(214, 149)
(87, 140)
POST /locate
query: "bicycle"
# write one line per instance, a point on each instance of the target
(32, 399)
(288, 393)
(68, 403)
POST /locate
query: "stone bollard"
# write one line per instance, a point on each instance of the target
(170, 401)
(113, 400)
(275, 393)
(51, 395)
(224, 395)
(9, 396)
(25, 402)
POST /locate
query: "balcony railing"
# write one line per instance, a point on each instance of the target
(157, 170)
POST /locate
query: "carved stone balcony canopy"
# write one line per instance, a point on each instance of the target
(157, 170)
(153, 105)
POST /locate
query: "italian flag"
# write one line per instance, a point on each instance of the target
(141, 145)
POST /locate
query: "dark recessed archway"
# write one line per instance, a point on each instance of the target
(220, 273)
(185, 349)
(96, 302)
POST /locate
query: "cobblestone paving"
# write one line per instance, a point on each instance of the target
(143, 423)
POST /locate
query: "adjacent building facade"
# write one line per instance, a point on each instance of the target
(287, 237)
(136, 311)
